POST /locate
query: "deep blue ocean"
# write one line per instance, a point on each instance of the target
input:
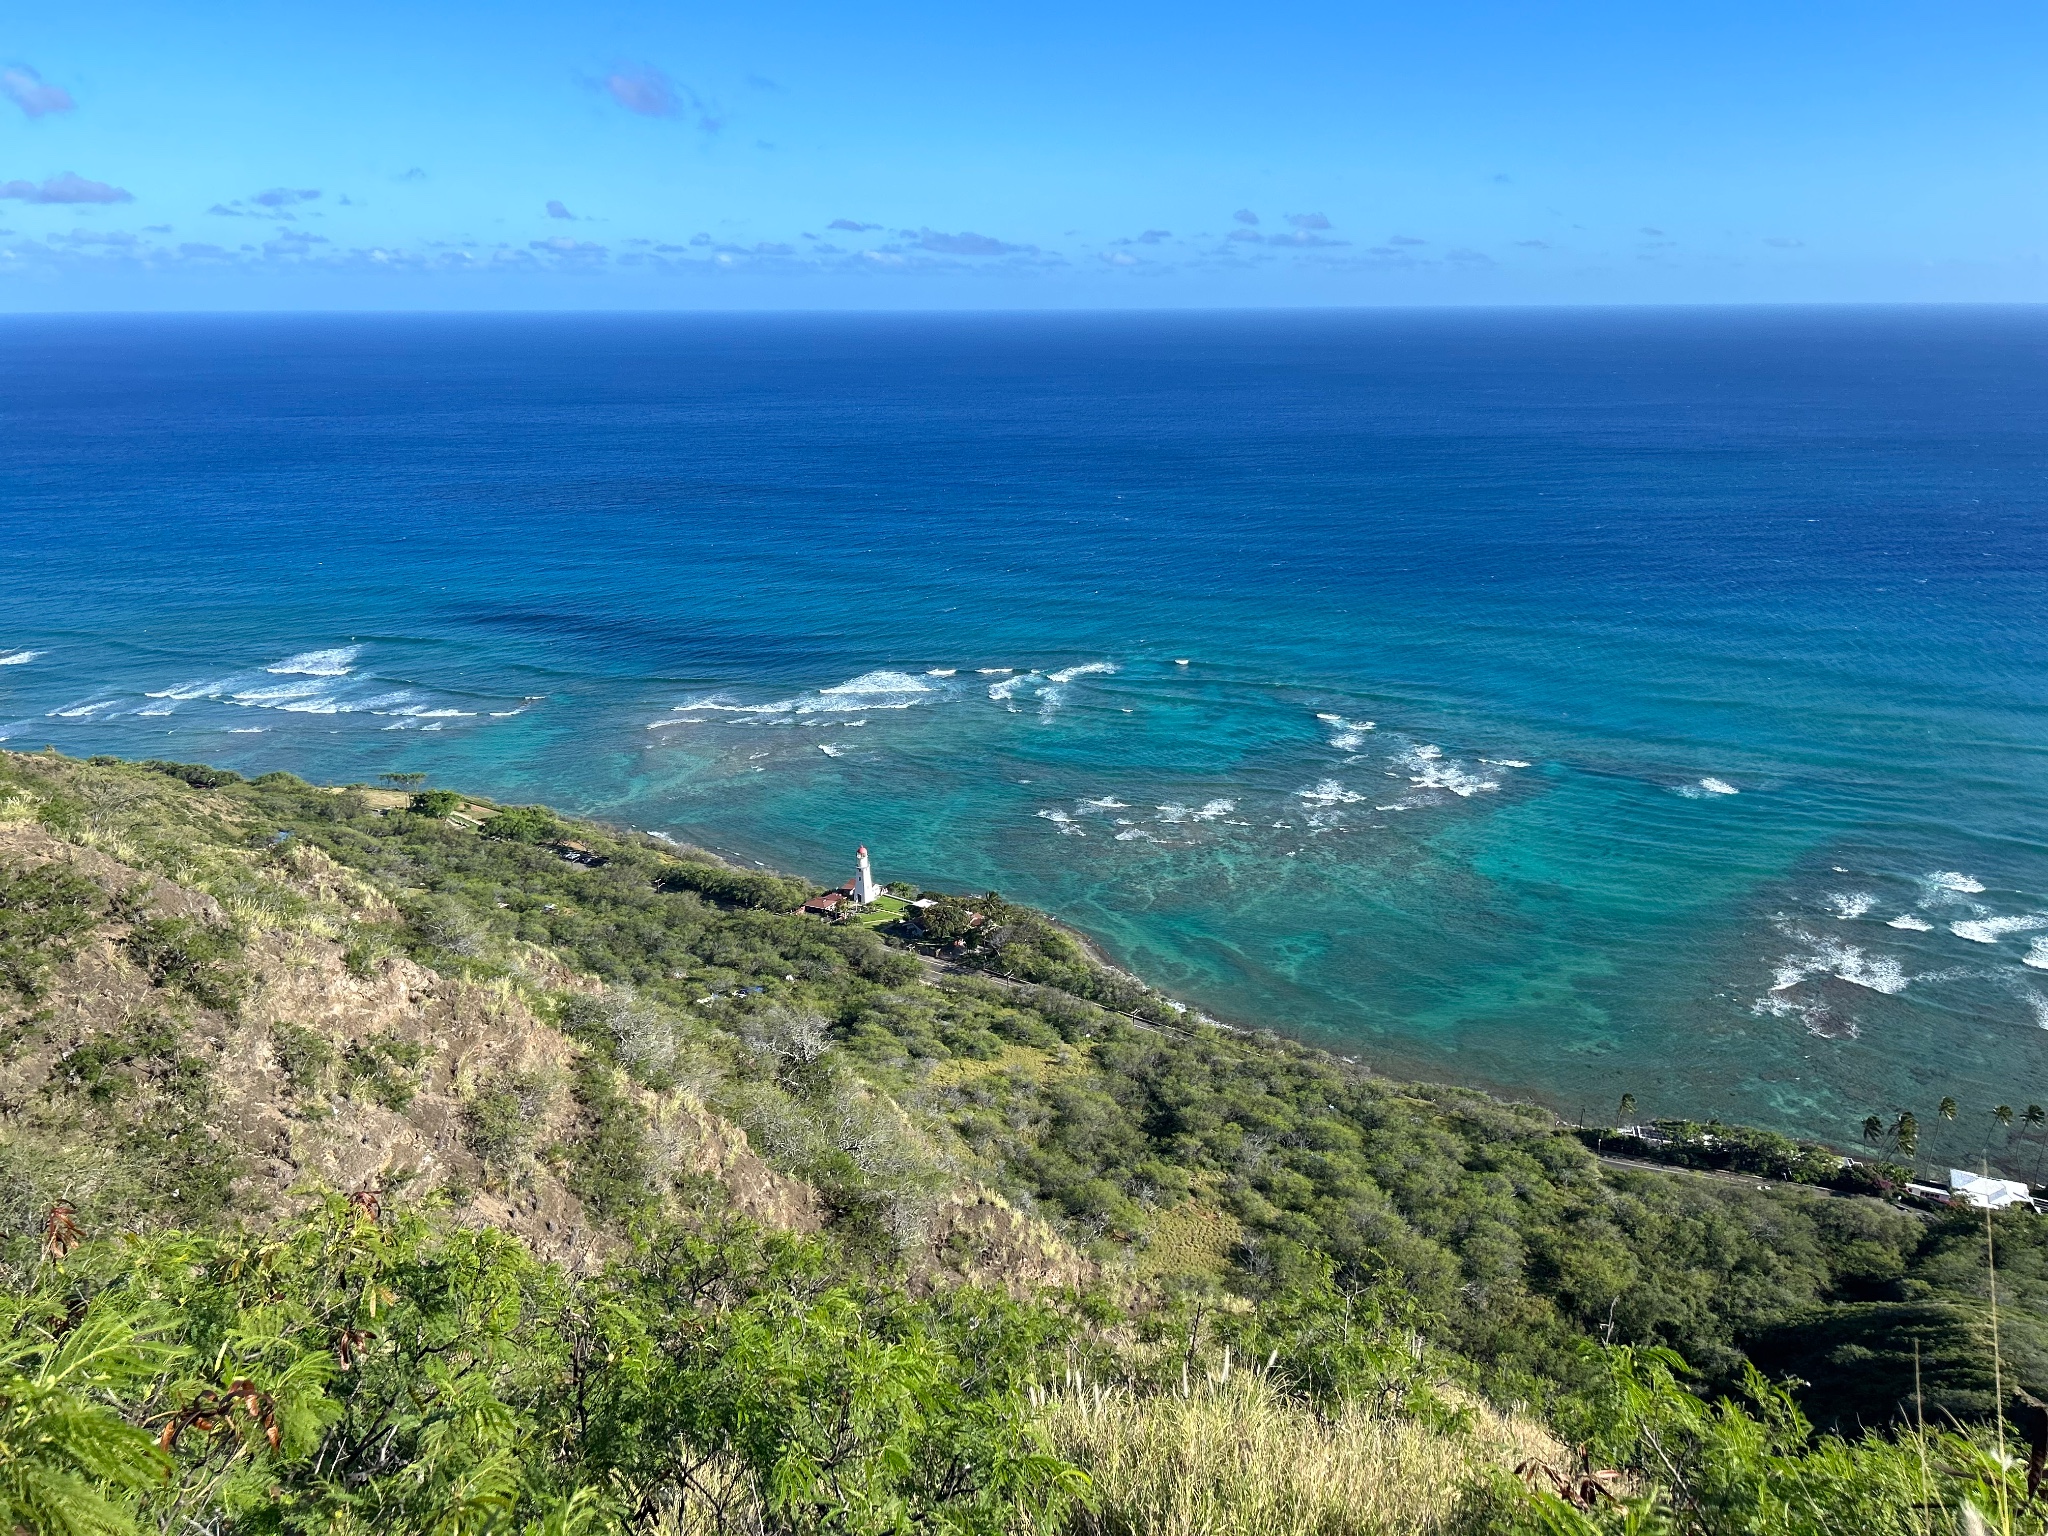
(1568, 702)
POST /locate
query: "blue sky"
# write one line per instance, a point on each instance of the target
(896, 155)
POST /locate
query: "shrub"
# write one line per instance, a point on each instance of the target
(302, 1055)
(437, 803)
(198, 775)
(45, 915)
(736, 887)
(193, 957)
(383, 1066)
(524, 824)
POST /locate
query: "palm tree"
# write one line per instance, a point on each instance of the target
(1873, 1129)
(1627, 1108)
(2034, 1119)
(1906, 1133)
(1947, 1107)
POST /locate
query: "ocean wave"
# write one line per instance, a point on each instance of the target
(247, 730)
(1067, 825)
(1954, 881)
(80, 711)
(1214, 808)
(1328, 792)
(941, 671)
(164, 709)
(871, 690)
(1430, 769)
(1910, 923)
(1107, 803)
(378, 705)
(1086, 669)
(1173, 813)
(1701, 788)
(2037, 955)
(1001, 692)
(994, 671)
(830, 751)
(1989, 930)
(1346, 735)
(1845, 962)
(207, 690)
(1135, 834)
(337, 662)
(270, 698)
(20, 658)
(1850, 904)
(1504, 762)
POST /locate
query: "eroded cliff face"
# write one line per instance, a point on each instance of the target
(279, 1091)
(362, 1071)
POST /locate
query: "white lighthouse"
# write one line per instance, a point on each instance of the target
(864, 888)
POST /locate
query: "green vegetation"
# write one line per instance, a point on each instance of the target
(436, 803)
(46, 913)
(1305, 1297)
(193, 957)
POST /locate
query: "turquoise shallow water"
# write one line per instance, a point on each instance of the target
(1572, 702)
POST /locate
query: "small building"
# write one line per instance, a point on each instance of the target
(1985, 1193)
(828, 904)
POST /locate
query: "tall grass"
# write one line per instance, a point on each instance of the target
(1237, 1458)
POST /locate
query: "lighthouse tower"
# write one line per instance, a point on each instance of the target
(864, 888)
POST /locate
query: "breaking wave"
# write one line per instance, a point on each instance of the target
(1428, 768)
(1086, 669)
(1067, 825)
(337, 662)
(1850, 904)
(1989, 930)
(1328, 792)
(1910, 923)
(19, 658)
(1954, 881)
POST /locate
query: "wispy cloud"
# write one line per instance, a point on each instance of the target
(966, 243)
(1309, 220)
(557, 211)
(1784, 242)
(415, 174)
(1405, 240)
(1650, 230)
(285, 197)
(652, 92)
(1245, 216)
(1534, 245)
(67, 188)
(32, 93)
(853, 224)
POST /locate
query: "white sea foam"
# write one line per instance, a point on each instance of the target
(1428, 768)
(2037, 956)
(161, 709)
(830, 751)
(271, 697)
(660, 725)
(941, 671)
(1346, 735)
(337, 662)
(1067, 825)
(247, 730)
(1173, 813)
(1214, 808)
(1503, 762)
(1328, 792)
(205, 690)
(871, 690)
(1844, 962)
(1086, 669)
(19, 658)
(1989, 930)
(80, 711)
(1718, 787)
(1135, 834)
(994, 671)
(1107, 803)
(1001, 692)
(1850, 904)
(1955, 881)
(1910, 923)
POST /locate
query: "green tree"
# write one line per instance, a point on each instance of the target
(1626, 1109)
(437, 803)
(1947, 1107)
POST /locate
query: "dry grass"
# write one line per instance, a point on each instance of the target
(1236, 1458)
